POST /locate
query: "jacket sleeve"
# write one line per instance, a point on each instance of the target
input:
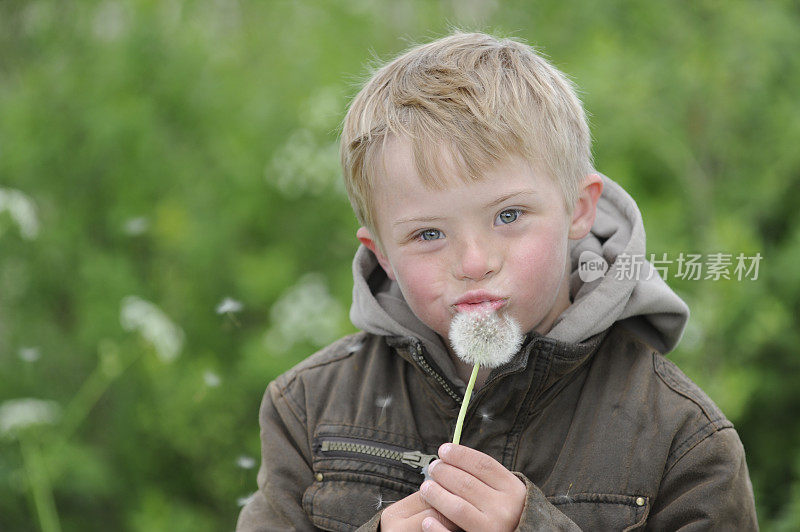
(285, 471)
(539, 514)
(707, 488)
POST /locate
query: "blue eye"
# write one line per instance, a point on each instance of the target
(430, 234)
(507, 216)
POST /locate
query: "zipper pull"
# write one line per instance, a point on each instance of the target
(417, 459)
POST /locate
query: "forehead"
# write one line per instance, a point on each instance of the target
(398, 168)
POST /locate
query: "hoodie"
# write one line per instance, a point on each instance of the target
(644, 302)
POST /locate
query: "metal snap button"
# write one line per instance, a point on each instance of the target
(640, 501)
(318, 476)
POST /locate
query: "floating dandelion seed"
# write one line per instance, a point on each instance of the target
(211, 379)
(485, 415)
(383, 403)
(242, 501)
(381, 501)
(246, 462)
(29, 354)
(566, 498)
(355, 347)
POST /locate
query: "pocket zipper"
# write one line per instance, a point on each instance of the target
(414, 459)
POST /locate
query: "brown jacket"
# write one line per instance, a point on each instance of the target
(608, 434)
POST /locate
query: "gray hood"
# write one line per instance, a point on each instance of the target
(644, 301)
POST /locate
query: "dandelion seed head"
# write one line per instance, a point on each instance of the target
(29, 354)
(485, 415)
(246, 462)
(485, 338)
(229, 305)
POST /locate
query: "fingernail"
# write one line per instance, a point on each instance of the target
(444, 449)
(425, 488)
(431, 466)
(427, 523)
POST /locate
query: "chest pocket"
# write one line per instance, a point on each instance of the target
(359, 471)
(599, 511)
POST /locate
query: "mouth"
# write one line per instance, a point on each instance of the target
(479, 301)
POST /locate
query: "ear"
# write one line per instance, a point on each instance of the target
(365, 237)
(585, 206)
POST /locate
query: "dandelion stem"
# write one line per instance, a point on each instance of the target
(463, 412)
(39, 485)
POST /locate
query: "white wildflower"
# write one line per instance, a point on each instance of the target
(154, 326)
(305, 312)
(211, 379)
(485, 338)
(22, 211)
(111, 21)
(29, 354)
(136, 226)
(246, 462)
(229, 305)
(17, 414)
(305, 165)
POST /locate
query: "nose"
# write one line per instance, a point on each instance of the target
(476, 261)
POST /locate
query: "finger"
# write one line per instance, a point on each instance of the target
(480, 465)
(412, 505)
(453, 507)
(413, 510)
(429, 524)
(462, 484)
(431, 515)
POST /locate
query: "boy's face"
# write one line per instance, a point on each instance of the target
(501, 241)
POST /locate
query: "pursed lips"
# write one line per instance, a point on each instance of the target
(479, 301)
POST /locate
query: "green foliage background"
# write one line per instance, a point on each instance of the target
(185, 151)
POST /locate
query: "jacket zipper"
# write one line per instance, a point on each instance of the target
(419, 358)
(414, 459)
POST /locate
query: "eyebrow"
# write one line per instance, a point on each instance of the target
(506, 197)
(419, 219)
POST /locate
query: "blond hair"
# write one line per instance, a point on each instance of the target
(483, 98)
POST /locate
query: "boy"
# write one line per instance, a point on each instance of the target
(468, 164)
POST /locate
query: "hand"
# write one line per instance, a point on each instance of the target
(473, 490)
(409, 513)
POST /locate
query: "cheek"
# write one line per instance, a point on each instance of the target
(542, 265)
(417, 280)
